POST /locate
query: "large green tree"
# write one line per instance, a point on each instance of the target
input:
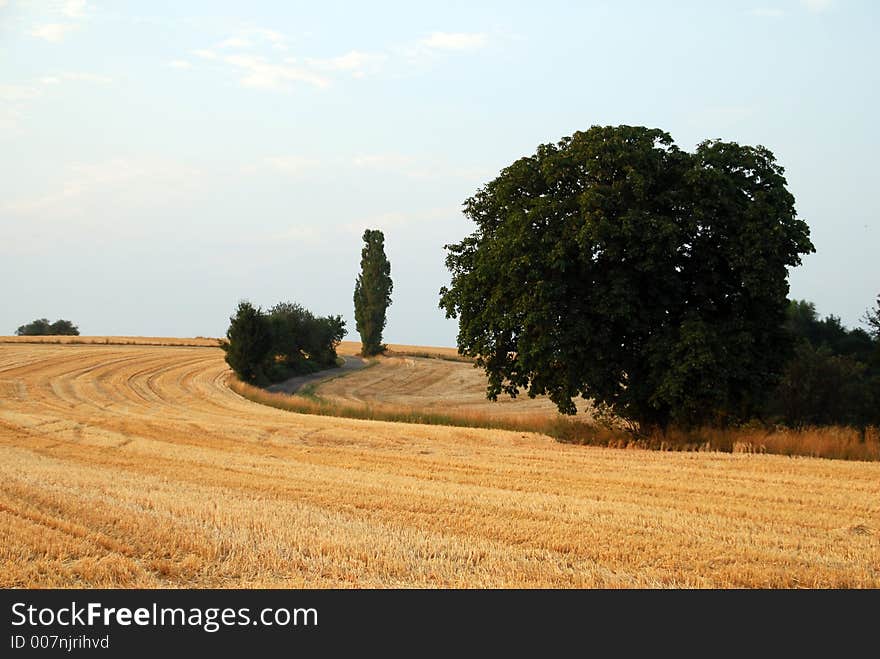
(372, 292)
(616, 267)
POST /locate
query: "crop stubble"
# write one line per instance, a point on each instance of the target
(136, 466)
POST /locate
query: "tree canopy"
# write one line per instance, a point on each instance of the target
(42, 327)
(833, 377)
(372, 292)
(287, 340)
(872, 320)
(614, 266)
(248, 342)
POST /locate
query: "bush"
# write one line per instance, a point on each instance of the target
(42, 327)
(249, 340)
(287, 340)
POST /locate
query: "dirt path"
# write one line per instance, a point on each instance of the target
(292, 385)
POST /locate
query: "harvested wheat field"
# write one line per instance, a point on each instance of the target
(114, 340)
(136, 466)
(434, 385)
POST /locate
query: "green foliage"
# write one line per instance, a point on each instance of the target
(39, 327)
(42, 327)
(287, 340)
(833, 377)
(616, 267)
(301, 342)
(372, 293)
(249, 340)
(323, 337)
(872, 320)
(822, 388)
(803, 322)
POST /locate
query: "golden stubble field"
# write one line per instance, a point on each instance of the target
(136, 466)
(434, 385)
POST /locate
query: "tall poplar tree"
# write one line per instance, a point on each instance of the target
(372, 292)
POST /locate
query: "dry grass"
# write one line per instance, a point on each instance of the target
(137, 466)
(310, 404)
(444, 392)
(398, 350)
(200, 341)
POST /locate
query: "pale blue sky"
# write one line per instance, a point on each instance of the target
(162, 160)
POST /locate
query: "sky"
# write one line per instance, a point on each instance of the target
(160, 161)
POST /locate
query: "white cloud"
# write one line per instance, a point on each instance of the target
(299, 234)
(17, 93)
(14, 99)
(356, 63)
(458, 41)
(260, 73)
(120, 199)
(87, 77)
(269, 35)
(52, 32)
(254, 37)
(817, 6)
(126, 181)
(75, 8)
(77, 76)
(10, 122)
(180, 64)
(395, 164)
(293, 165)
(417, 167)
(65, 16)
(27, 92)
(234, 42)
(396, 219)
(249, 53)
(767, 12)
(383, 161)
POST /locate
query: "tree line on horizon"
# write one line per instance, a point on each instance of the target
(833, 373)
(43, 327)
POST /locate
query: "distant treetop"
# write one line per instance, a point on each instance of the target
(42, 327)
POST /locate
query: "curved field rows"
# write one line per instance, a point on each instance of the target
(136, 466)
(435, 385)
